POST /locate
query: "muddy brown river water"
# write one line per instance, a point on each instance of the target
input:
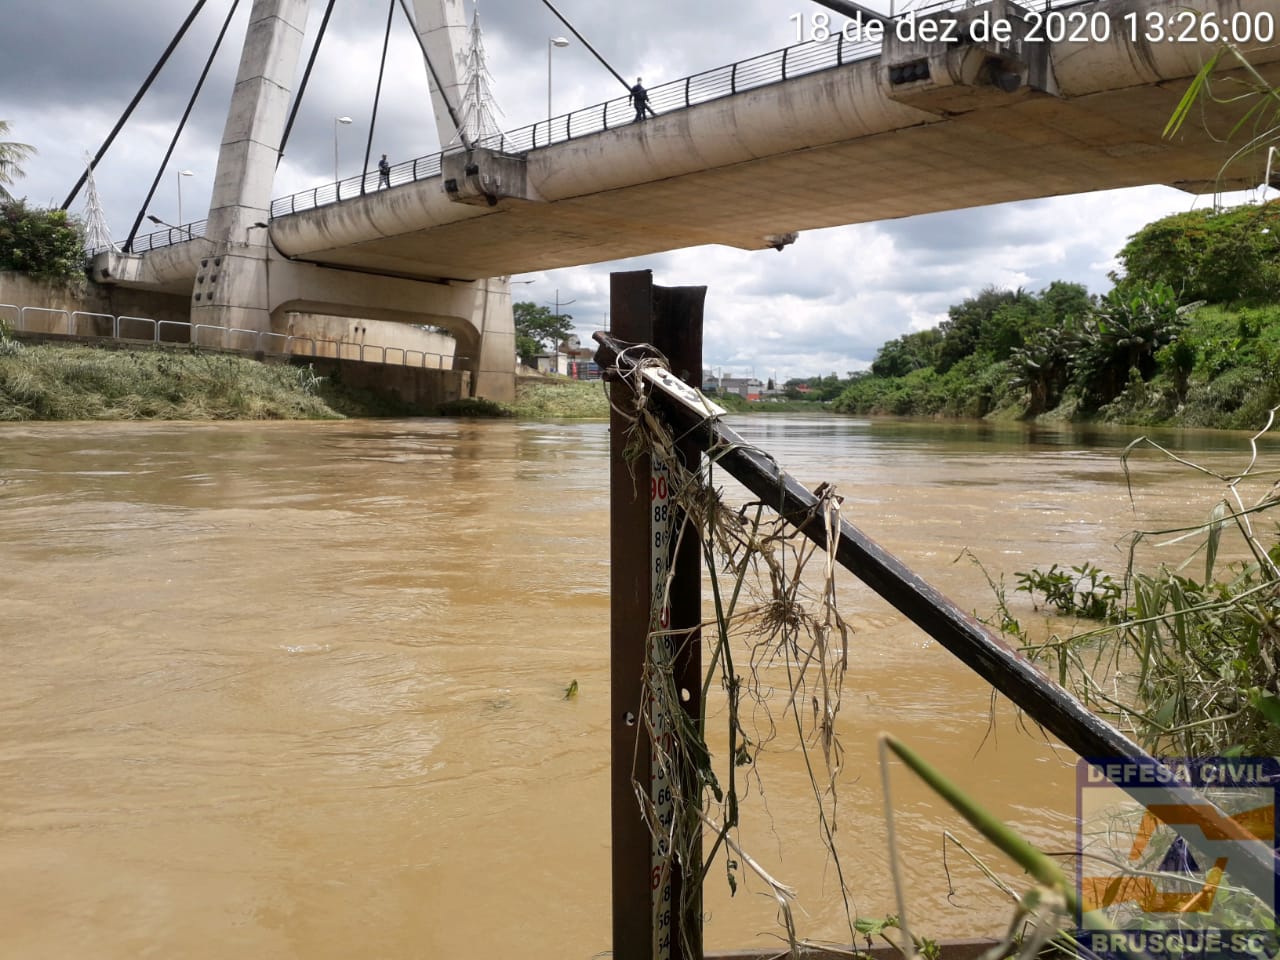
(294, 690)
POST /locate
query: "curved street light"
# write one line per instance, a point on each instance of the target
(337, 120)
(181, 174)
(552, 42)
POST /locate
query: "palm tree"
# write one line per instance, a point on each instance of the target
(11, 154)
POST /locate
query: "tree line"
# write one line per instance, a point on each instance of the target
(1190, 333)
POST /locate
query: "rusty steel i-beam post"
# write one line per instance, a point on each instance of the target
(647, 880)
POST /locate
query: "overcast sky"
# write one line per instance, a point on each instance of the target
(68, 68)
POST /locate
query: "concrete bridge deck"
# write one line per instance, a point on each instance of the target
(834, 147)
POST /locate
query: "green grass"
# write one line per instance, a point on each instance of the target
(45, 382)
(560, 399)
(71, 382)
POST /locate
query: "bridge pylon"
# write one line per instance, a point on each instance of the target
(231, 286)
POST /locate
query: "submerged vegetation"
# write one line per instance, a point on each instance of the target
(560, 399)
(1184, 653)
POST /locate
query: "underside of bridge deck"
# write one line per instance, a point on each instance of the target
(584, 210)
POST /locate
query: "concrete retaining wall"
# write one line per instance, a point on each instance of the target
(421, 390)
(24, 291)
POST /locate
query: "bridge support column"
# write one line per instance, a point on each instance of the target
(231, 285)
(493, 367)
(230, 292)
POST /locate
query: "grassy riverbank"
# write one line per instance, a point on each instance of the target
(560, 399)
(62, 382)
(72, 382)
(1189, 336)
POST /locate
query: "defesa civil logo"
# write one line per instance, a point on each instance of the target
(1169, 855)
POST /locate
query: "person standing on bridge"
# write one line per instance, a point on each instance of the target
(640, 99)
(384, 173)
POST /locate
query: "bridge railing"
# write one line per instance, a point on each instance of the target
(105, 326)
(775, 66)
(168, 237)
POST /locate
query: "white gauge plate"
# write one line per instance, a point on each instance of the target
(673, 386)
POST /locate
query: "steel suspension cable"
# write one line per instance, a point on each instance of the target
(164, 162)
(302, 87)
(146, 85)
(581, 39)
(377, 93)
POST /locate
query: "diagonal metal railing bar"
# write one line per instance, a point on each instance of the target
(1006, 669)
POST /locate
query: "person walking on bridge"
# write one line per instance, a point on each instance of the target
(640, 99)
(384, 173)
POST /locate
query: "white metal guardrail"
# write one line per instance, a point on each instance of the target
(129, 329)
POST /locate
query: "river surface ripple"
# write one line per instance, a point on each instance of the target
(295, 689)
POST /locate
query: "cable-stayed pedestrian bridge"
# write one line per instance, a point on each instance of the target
(967, 105)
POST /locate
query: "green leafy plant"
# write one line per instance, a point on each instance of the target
(8, 345)
(48, 244)
(1191, 663)
(1085, 591)
(309, 380)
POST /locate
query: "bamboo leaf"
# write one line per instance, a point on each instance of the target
(1195, 89)
(1265, 702)
(1216, 522)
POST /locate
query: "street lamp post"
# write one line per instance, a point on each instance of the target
(556, 346)
(561, 303)
(552, 42)
(180, 175)
(337, 120)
